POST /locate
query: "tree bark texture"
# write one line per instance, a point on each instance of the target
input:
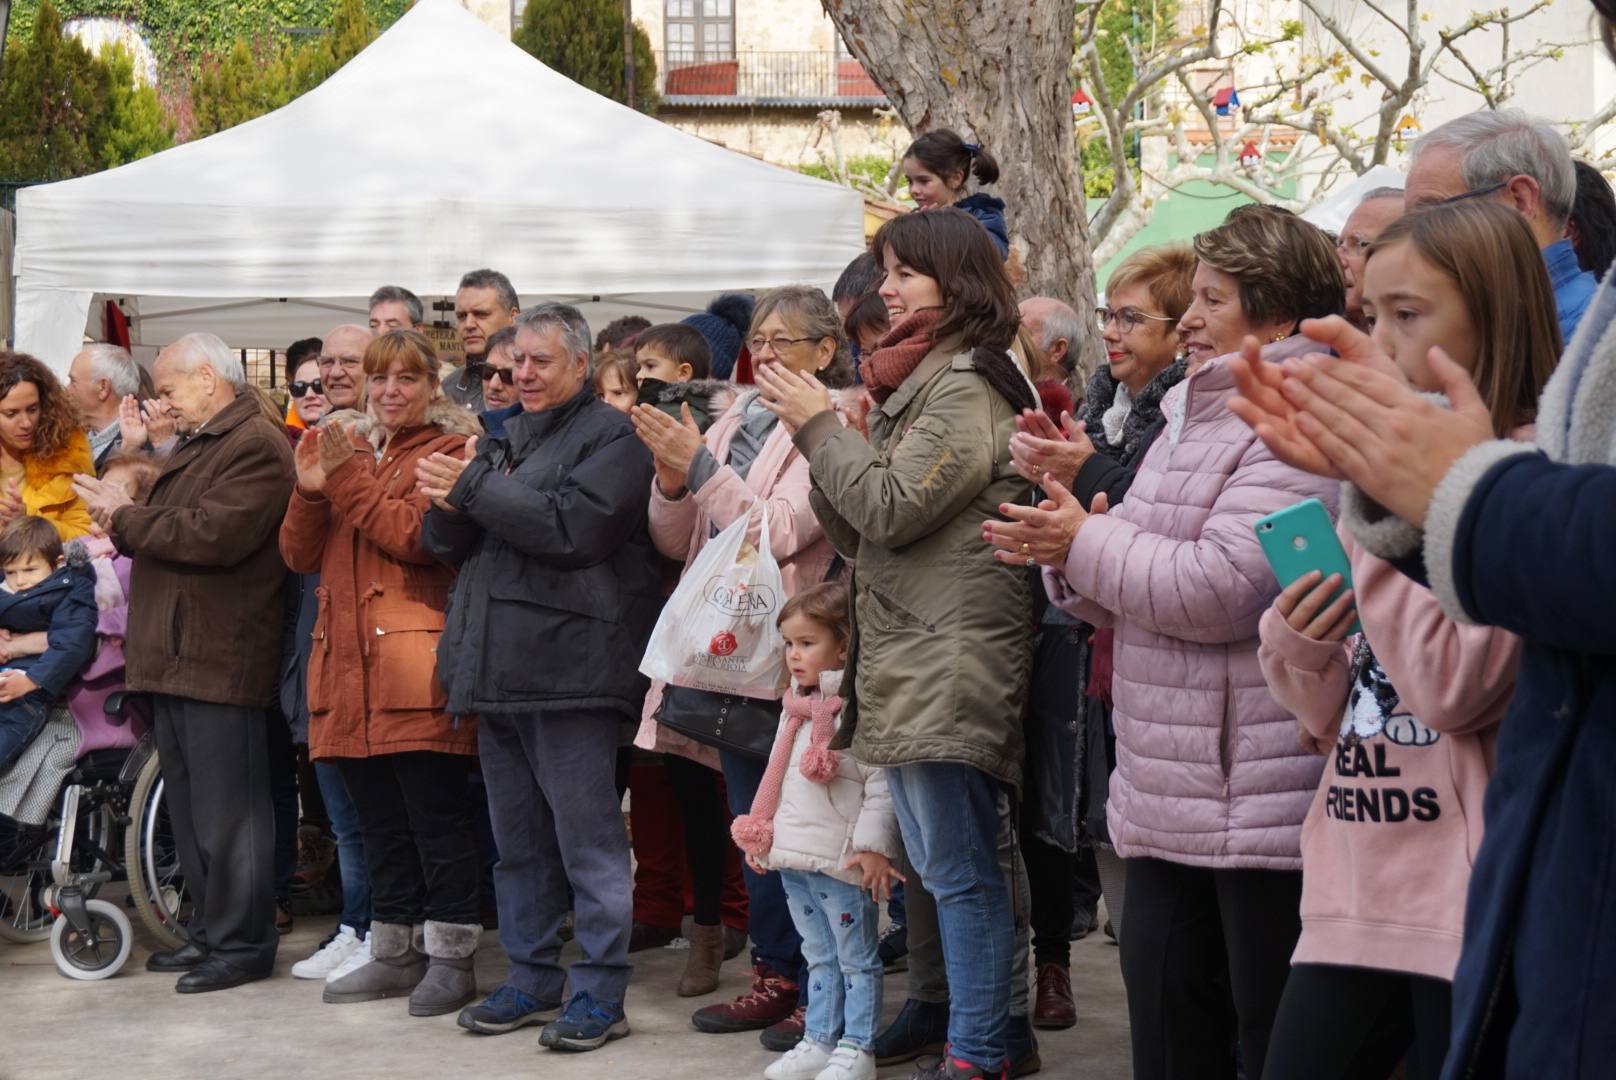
(996, 72)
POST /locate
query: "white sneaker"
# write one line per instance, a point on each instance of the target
(802, 1062)
(330, 955)
(848, 1062)
(355, 960)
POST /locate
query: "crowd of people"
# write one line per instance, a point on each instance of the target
(1032, 651)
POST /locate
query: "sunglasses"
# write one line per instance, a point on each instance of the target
(299, 388)
(484, 372)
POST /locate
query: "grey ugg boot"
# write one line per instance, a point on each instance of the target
(394, 969)
(451, 979)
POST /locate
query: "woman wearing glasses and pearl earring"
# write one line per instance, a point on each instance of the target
(746, 461)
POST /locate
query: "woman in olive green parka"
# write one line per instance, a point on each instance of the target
(938, 665)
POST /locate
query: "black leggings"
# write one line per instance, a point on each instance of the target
(1205, 955)
(1346, 1023)
(695, 786)
(416, 814)
(1062, 884)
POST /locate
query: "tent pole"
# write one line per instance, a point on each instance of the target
(628, 51)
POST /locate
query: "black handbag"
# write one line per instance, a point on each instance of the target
(741, 725)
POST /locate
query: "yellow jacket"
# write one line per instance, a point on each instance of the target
(47, 486)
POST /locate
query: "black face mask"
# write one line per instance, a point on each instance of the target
(650, 390)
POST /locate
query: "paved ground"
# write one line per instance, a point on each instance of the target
(134, 1027)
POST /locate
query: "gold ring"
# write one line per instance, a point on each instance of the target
(1026, 549)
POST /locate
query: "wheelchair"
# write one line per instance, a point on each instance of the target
(109, 823)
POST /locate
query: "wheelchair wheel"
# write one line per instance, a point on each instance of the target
(25, 881)
(156, 884)
(99, 954)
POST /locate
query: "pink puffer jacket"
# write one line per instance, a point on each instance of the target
(1210, 771)
(681, 527)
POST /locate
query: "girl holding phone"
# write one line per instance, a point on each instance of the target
(1407, 711)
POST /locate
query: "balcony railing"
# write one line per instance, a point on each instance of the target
(766, 78)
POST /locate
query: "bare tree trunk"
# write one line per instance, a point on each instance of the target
(628, 54)
(996, 72)
(5, 26)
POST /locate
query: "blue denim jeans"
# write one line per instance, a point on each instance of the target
(558, 824)
(896, 909)
(775, 941)
(350, 847)
(949, 816)
(20, 721)
(841, 944)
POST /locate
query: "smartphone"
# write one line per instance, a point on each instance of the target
(1301, 538)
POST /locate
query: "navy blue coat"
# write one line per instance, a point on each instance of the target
(1534, 991)
(990, 212)
(557, 589)
(63, 605)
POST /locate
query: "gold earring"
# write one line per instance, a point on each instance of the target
(1281, 336)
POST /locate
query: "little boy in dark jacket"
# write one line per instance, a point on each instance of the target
(44, 593)
(674, 361)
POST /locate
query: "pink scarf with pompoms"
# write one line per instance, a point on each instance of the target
(754, 832)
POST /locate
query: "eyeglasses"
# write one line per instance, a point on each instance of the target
(485, 371)
(777, 344)
(1127, 319)
(299, 388)
(1479, 193)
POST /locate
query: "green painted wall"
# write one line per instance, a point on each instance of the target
(1179, 215)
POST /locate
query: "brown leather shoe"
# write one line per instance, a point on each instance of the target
(702, 961)
(771, 999)
(1054, 1007)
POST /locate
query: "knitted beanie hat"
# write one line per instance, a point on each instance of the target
(724, 325)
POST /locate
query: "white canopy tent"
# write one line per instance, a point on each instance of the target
(439, 149)
(1331, 214)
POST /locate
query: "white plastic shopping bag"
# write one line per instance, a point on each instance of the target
(717, 631)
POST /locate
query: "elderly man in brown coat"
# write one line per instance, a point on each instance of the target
(205, 640)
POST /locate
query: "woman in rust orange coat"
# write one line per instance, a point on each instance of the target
(375, 707)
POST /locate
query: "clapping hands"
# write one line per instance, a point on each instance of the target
(1039, 447)
(142, 422)
(437, 475)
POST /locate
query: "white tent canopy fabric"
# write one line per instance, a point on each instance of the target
(439, 149)
(1331, 214)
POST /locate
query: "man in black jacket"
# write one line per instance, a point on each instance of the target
(549, 617)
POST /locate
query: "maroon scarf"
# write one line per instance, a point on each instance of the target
(899, 353)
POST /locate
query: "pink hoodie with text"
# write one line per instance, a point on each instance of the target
(1407, 713)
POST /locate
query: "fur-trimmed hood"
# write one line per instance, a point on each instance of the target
(441, 413)
(708, 398)
(717, 394)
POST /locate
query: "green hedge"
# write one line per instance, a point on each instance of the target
(182, 31)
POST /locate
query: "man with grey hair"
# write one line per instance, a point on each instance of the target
(485, 303)
(393, 307)
(1056, 329)
(342, 366)
(1378, 209)
(1517, 159)
(205, 641)
(98, 380)
(546, 524)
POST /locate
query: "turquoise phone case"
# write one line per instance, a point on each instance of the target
(1301, 538)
